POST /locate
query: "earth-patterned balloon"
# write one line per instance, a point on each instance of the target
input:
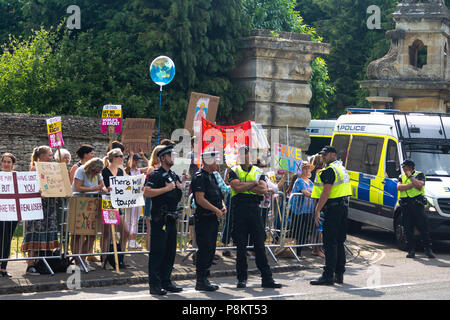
(162, 70)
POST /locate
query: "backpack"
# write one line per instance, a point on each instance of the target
(56, 264)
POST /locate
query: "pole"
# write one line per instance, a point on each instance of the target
(159, 117)
(113, 229)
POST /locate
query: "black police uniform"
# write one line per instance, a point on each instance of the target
(334, 231)
(206, 225)
(247, 222)
(163, 229)
(413, 209)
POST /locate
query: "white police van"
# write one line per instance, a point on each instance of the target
(372, 143)
(320, 132)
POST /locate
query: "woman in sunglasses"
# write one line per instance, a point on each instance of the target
(113, 164)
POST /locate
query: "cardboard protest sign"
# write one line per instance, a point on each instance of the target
(54, 179)
(54, 132)
(19, 197)
(288, 158)
(109, 214)
(84, 215)
(127, 191)
(200, 106)
(137, 135)
(112, 116)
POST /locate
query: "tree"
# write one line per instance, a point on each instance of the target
(280, 15)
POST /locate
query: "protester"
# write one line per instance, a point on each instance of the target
(41, 235)
(87, 178)
(318, 163)
(132, 214)
(302, 209)
(7, 228)
(114, 159)
(84, 153)
(65, 156)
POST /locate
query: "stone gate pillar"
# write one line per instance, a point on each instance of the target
(276, 69)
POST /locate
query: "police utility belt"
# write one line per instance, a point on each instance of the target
(170, 215)
(417, 200)
(341, 202)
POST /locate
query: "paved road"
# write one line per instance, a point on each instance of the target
(380, 272)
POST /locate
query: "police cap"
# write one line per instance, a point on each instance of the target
(166, 150)
(408, 163)
(327, 149)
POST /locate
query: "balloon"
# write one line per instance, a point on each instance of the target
(162, 70)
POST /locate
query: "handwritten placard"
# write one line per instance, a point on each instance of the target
(288, 158)
(19, 197)
(127, 191)
(84, 215)
(54, 179)
(109, 214)
(54, 132)
(112, 116)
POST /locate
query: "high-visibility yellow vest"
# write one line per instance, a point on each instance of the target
(245, 176)
(411, 193)
(341, 186)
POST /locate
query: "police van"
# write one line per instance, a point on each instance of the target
(372, 143)
(320, 133)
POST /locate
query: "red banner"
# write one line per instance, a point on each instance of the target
(220, 138)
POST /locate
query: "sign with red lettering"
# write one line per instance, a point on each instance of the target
(20, 199)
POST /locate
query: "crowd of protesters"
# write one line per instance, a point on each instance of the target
(91, 175)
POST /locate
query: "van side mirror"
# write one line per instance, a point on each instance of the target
(391, 169)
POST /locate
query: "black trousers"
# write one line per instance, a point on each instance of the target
(247, 222)
(7, 229)
(334, 236)
(414, 216)
(163, 247)
(206, 229)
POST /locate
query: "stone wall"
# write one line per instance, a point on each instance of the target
(275, 69)
(20, 133)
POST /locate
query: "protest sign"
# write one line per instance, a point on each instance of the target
(84, 217)
(54, 179)
(137, 135)
(200, 106)
(109, 214)
(19, 197)
(288, 158)
(54, 132)
(225, 139)
(127, 191)
(112, 116)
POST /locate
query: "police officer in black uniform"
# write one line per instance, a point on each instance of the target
(164, 187)
(210, 208)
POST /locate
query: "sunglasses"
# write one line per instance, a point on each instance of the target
(119, 156)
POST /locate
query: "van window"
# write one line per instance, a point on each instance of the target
(364, 155)
(340, 143)
(392, 161)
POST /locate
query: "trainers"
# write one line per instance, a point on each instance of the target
(31, 270)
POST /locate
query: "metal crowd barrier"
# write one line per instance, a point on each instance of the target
(298, 228)
(39, 240)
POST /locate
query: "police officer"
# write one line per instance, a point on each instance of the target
(247, 187)
(210, 208)
(332, 188)
(164, 187)
(412, 201)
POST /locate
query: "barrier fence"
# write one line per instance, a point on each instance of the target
(72, 228)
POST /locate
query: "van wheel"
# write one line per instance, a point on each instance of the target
(400, 234)
(353, 226)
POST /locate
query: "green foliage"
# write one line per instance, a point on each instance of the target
(108, 60)
(342, 23)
